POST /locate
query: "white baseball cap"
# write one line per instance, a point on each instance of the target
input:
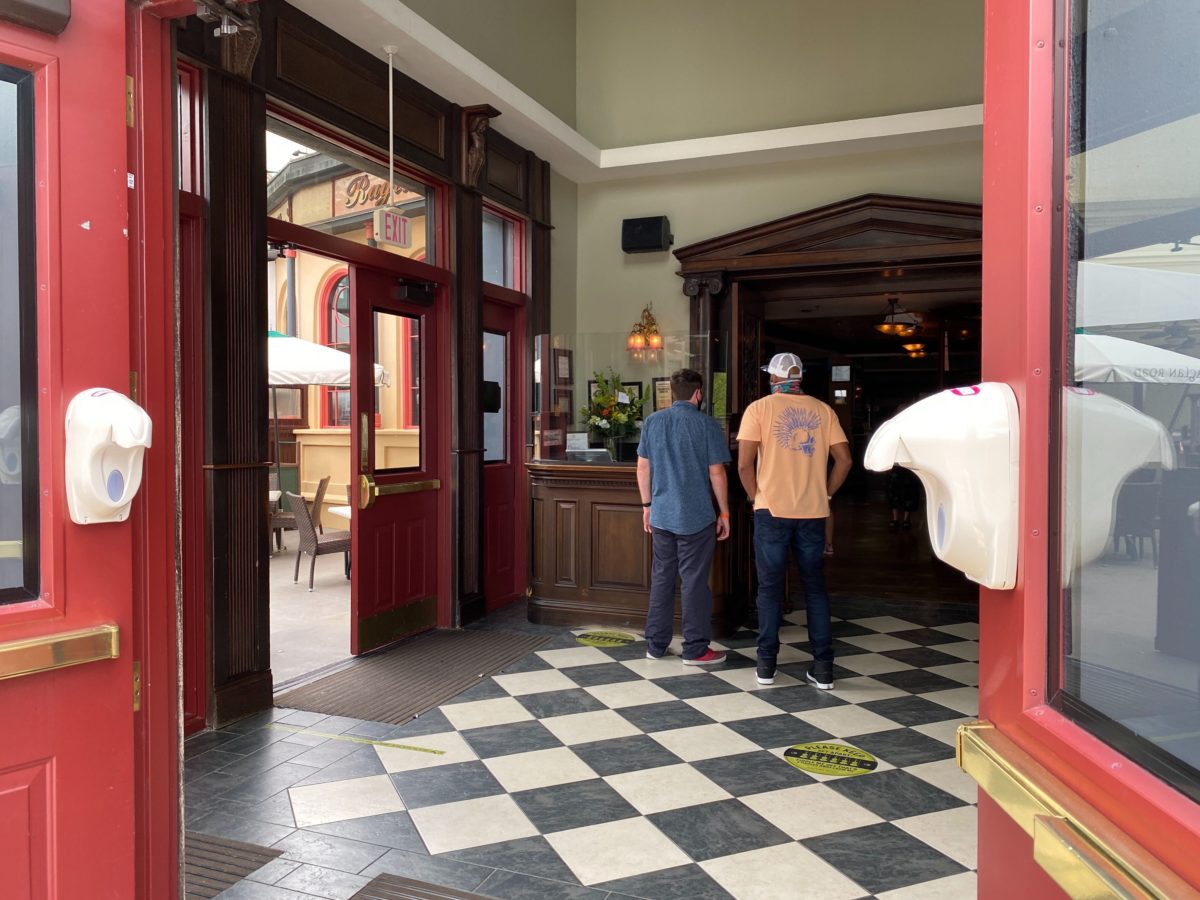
(781, 365)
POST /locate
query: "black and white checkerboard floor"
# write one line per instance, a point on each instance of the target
(583, 772)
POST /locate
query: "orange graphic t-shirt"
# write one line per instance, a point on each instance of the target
(794, 434)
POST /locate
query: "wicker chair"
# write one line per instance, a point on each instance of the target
(281, 519)
(310, 542)
(318, 502)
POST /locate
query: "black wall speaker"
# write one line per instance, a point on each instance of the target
(646, 235)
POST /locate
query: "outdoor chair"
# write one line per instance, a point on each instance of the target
(310, 542)
(281, 519)
(319, 502)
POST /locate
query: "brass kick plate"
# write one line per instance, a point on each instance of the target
(58, 651)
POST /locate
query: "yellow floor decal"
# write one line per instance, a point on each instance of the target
(830, 759)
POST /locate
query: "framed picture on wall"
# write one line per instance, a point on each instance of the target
(564, 403)
(662, 393)
(563, 368)
(633, 389)
(593, 387)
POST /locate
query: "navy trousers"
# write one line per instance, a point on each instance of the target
(687, 557)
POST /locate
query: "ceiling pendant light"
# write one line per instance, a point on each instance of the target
(913, 348)
(898, 321)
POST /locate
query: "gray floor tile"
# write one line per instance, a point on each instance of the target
(798, 698)
(912, 710)
(236, 828)
(926, 637)
(533, 856)
(502, 740)
(514, 886)
(254, 890)
(432, 722)
(681, 883)
(531, 662)
(882, 857)
(636, 650)
(205, 763)
(575, 805)
(717, 829)
(601, 673)
(261, 785)
(486, 689)
(393, 830)
(903, 747)
(303, 718)
(362, 763)
(922, 657)
(917, 681)
(260, 737)
(696, 686)
(653, 717)
(265, 758)
(446, 784)
(321, 882)
(625, 754)
(329, 852)
(434, 869)
(201, 743)
(327, 753)
(560, 703)
(894, 794)
(777, 731)
(751, 773)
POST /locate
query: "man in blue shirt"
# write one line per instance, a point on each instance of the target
(681, 466)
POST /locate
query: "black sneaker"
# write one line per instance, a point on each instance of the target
(820, 675)
(766, 672)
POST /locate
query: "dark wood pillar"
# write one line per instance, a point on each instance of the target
(467, 365)
(706, 353)
(236, 392)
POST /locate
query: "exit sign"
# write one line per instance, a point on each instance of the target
(393, 227)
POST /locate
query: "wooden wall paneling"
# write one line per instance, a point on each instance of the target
(620, 552)
(316, 70)
(237, 395)
(508, 174)
(566, 543)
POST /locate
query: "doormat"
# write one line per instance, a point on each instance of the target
(830, 759)
(212, 865)
(413, 678)
(393, 887)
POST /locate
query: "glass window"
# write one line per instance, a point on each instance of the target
(337, 335)
(397, 421)
(1128, 661)
(495, 390)
(499, 250)
(18, 348)
(319, 185)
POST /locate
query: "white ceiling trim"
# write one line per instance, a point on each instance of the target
(433, 59)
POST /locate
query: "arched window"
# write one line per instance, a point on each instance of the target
(335, 405)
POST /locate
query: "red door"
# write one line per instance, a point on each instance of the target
(67, 787)
(400, 567)
(504, 504)
(1088, 752)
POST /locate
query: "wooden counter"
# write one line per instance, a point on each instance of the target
(590, 558)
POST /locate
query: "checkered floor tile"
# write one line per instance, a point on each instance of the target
(592, 772)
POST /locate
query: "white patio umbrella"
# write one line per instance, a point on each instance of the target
(1101, 358)
(295, 362)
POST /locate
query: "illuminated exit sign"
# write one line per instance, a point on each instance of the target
(393, 227)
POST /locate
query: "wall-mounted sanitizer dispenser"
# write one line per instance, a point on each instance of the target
(107, 434)
(964, 446)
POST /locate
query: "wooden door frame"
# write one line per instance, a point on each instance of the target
(522, 357)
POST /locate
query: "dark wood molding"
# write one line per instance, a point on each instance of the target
(694, 285)
(48, 16)
(240, 698)
(240, 50)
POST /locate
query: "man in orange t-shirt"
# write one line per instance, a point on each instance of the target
(784, 445)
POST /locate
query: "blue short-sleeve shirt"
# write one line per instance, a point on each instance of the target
(681, 443)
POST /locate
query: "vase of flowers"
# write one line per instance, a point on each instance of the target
(612, 415)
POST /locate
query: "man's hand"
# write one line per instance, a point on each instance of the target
(722, 528)
(646, 519)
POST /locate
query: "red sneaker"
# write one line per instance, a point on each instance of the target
(709, 658)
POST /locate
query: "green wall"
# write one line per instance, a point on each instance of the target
(659, 70)
(612, 286)
(529, 42)
(564, 252)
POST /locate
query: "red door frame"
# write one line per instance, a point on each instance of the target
(518, 405)
(1019, 224)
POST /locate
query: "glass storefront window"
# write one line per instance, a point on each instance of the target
(19, 578)
(319, 185)
(1128, 662)
(397, 429)
(495, 378)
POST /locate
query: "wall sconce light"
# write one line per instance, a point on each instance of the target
(644, 335)
(898, 321)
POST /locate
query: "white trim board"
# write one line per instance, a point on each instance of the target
(433, 59)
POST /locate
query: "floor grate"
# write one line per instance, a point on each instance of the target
(212, 864)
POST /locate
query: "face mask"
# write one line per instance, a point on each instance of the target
(700, 403)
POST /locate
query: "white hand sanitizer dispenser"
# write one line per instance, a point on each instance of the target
(107, 434)
(964, 446)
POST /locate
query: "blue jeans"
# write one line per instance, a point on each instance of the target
(773, 538)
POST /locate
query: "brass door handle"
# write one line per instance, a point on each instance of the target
(59, 651)
(368, 489)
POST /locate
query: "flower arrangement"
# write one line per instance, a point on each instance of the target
(611, 412)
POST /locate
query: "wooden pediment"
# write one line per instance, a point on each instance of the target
(873, 227)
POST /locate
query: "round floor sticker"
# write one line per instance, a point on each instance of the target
(830, 759)
(605, 638)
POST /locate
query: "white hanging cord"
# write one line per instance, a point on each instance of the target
(391, 51)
